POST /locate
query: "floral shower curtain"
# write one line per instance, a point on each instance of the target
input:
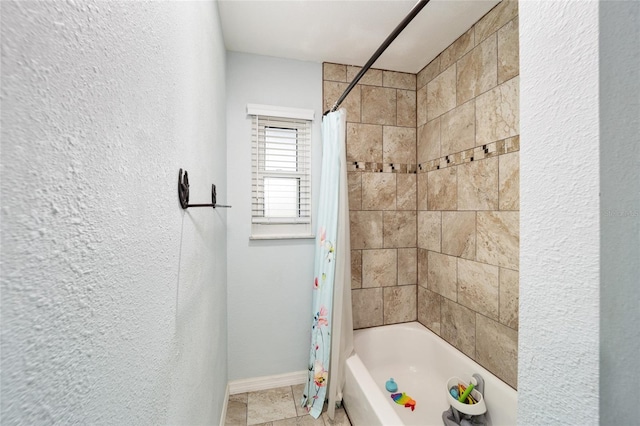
(332, 326)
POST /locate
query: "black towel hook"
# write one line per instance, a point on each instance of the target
(183, 193)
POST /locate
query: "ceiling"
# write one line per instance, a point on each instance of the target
(347, 31)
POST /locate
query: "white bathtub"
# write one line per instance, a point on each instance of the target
(420, 362)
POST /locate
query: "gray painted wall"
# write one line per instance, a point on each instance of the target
(620, 208)
(113, 298)
(270, 282)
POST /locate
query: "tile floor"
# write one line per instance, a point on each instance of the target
(276, 407)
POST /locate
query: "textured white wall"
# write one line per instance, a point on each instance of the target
(113, 298)
(620, 208)
(559, 224)
(270, 282)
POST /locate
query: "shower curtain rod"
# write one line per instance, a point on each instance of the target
(401, 26)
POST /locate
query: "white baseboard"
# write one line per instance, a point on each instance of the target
(223, 415)
(267, 382)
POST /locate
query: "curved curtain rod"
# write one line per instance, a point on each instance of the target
(401, 26)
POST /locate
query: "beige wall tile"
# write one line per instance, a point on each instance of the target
(441, 274)
(364, 142)
(354, 180)
(367, 307)
(421, 106)
(378, 105)
(458, 327)
(422, 267)
(333, 90)
(497, 113)
(378, 191)
(406, 191)
(334, 72)
(429, 141)
(407, 266)
(356, 269)
(462, 45)
(459, 234)
(478, 287)
(399, 145)
(429, 230)
(422, 191)
(428, 73)
(400, 229)
(400, 304)
(429, 309)
(498, 238)
(458, 129)
(478, 185)
(497, 349)
(469, 111)
(407, 108)
(496, 18)
(508, 51)
(509, 297)
(478, 70)
(452, 285)
(441, 93)
(442, 191)
(366, 229)
(399, 80)
(509, 181)
(379, 268)
(373, 77)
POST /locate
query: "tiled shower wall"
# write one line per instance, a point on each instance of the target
(468, 192)
(434, 192)
(381, 159)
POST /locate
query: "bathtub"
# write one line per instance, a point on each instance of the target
(421, 363)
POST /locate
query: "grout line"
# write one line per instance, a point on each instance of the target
(475, 227)
(499, 274)
(498, 183)
(397, 97)
(475, 336)
(457, 281)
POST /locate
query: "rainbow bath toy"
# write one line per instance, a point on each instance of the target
(404, 399)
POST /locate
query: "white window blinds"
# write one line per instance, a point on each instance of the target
(281, 163)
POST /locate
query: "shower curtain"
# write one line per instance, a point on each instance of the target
(332, 326)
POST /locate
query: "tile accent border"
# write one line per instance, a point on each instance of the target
(253, 384)
(363, 166)
(481, 152)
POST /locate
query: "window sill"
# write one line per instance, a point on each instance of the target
(282, 237)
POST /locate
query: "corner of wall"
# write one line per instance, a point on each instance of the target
(560, 254)
(620, 205)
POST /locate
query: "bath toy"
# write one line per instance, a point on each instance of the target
(454, 392)
(391, 385)
(404, 399)
(466, 393)
(463, 393)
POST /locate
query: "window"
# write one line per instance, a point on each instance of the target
(281, 167)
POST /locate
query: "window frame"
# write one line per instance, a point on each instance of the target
(263, 227)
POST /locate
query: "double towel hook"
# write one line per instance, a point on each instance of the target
(183, 193)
